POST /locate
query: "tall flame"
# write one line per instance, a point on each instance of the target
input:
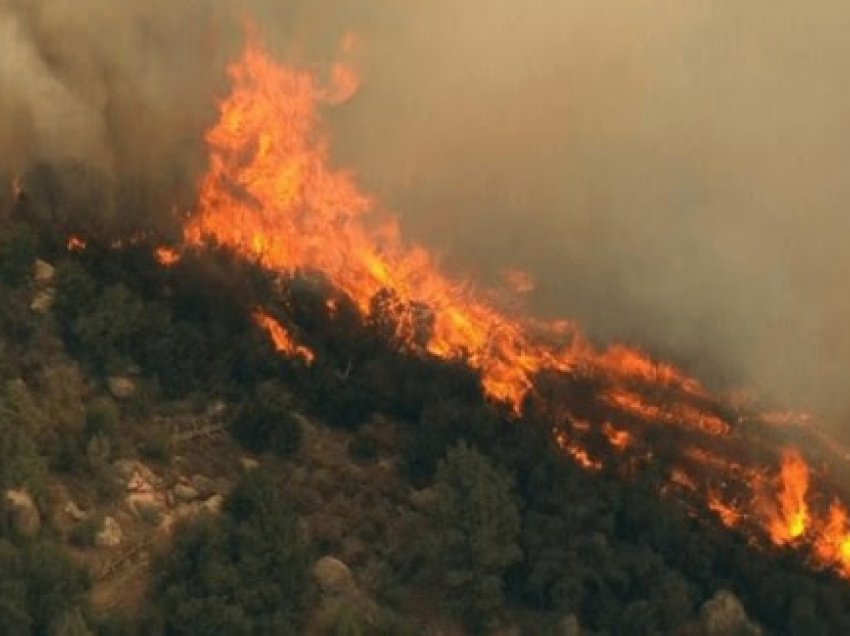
(789, 519)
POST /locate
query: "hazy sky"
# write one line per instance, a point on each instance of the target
(673, 173)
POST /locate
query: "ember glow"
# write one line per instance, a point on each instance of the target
(166, 256)
(76, 244)
(272, 194)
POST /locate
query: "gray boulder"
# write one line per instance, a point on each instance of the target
(43, 300)
(724, 615)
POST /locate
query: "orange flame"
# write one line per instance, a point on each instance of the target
(833, 542)
(75, 244)
(788, 517)
(729, 515)
(166, 256)
(282, 339)
(579, 454)
(620, 439)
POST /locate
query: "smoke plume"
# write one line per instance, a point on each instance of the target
(672, 174)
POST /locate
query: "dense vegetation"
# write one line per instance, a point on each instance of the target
(245, 572)
(514, 524)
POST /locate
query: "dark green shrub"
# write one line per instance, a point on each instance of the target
(266, 422)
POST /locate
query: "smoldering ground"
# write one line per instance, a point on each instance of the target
(673, 174)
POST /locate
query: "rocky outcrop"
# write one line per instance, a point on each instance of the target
(109, 535)
(24, 517)
(724, 615)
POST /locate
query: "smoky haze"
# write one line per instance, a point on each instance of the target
(673, 174)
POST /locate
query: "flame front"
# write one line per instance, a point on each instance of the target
(272, 194)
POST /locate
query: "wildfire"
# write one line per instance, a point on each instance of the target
(272, 194)
(282, 339)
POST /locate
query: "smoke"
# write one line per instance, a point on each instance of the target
(673, 174)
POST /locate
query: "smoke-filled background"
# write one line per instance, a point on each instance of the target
(674, 174)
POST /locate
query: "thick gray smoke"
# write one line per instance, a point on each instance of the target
(673, 173)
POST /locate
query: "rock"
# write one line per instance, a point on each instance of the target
(72, 510)
(23, 514)
(43, 300)
(213, 505)
(44, 271)
(333, 576)
(136, 476)
(724, 614)
(121, 387)
(184, 493)
(109, 534)
(249, 464)
(569, 626)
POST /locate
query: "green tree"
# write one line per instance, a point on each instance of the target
(243, 573)
(476, 525)
(39, 587)
(106, 333)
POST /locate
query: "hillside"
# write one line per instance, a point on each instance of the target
(172, 467)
